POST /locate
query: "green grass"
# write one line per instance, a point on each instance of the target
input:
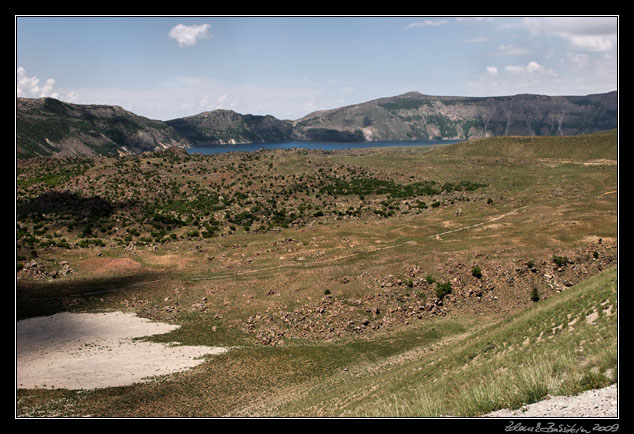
(579, 148)
(520, 360)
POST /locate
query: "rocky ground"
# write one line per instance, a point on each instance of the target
(592, 403)
(397, 301)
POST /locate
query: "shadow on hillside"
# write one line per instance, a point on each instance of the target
(43, 298)
(66, 203)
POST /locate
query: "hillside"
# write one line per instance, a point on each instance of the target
(507, 363)
(414, 116)
(47, 126)
(597, 146)
(226, 126)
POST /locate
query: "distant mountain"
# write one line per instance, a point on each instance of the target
(47, 126)
(414, 116)
(227, 126)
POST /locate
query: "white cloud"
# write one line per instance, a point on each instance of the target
(427, 23)
(26, 86)
(532, 68)
(571, 25)
(510, 50)
(532, 77)
(591, 42)
(47, 89)
(474, 19)
(189, 35)
(586, 33)
(30, 87)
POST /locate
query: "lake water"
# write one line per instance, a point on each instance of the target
(327, 146)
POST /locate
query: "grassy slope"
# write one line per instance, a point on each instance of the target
(587, 147)
(563, 345)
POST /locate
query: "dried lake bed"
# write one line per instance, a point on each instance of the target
(97, 350)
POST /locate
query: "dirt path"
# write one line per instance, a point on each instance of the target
(491, 220)
(97, 350)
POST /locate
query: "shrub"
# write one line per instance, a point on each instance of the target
(443, 289)
(89, 242)
(430, 279)
(86, 232)
(476, 272)
(327, 292)
(534, 295)
(560, 261)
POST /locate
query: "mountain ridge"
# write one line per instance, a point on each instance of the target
(414, 116)
(47, 126)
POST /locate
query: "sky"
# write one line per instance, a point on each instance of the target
(166, 67)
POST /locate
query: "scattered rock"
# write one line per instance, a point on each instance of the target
(391, 303)
(66, 268)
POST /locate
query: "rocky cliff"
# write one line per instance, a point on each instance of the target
(414, 116)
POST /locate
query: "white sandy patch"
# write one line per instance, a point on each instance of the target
(96, 350)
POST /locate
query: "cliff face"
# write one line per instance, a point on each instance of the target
(413, 116)
(47, 126)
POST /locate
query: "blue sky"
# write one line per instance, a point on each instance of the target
(169, 67)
